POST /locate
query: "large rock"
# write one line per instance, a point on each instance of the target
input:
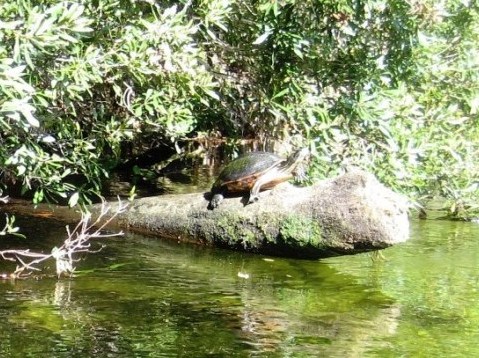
(346, 215)
(349, 214)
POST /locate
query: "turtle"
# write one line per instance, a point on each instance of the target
(254, 172)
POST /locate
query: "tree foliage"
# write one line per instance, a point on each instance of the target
(81, 78)
(389, 86)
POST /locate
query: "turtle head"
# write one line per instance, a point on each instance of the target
(294, 163)
(298, 156)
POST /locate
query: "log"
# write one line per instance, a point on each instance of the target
(349, 214)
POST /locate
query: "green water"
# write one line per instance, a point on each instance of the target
(144, 297)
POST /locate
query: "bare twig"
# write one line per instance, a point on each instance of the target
(77, 241)
(9, 227)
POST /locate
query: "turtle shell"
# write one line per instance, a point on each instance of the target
(241, 174)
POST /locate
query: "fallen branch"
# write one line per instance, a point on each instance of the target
(77, 241)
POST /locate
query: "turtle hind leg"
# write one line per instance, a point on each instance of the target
(215, 201)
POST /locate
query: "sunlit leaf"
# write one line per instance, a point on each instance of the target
(21, 169)
(262, 38)
(32, 121)
(212, 94)
(74, 199)
(170, 11)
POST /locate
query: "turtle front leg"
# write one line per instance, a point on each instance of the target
(252, 198)
(254, 193)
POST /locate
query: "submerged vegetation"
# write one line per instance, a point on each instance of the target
(391, 87)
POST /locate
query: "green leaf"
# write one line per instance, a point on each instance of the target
(74, 199)
(281, 93)
(212, 94)
(21, 169)
(262, 38)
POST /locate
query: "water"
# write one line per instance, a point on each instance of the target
(144, 297)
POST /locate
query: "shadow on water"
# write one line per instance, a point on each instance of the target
(148, 297)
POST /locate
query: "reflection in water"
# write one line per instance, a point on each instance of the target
(62, 295)
(148, 297)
